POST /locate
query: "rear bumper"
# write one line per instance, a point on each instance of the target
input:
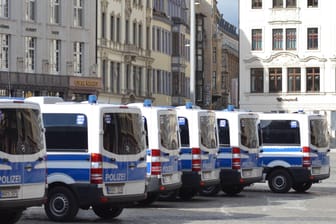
(21, 204)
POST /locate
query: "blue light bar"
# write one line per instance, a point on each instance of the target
(92, 99)
(189, 105)
(147, 103)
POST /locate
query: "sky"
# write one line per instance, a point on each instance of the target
(229, 9)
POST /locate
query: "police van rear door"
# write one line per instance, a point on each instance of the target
(124, 165)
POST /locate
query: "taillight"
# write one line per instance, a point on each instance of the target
(236, 158)
(196, 159)
(96, 169)
(155, 162)
(306, 160)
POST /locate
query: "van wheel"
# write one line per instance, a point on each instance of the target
(211, 190)
(186, 194)
(302, 187)
(151, 198)
(168, 195)
(10, 217)
(106, 212)
(61, 204)
(279, 181)
(233, 189)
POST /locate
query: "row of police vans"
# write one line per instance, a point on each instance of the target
(69, 156)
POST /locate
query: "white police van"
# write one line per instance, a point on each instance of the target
(22, 158)
(96, 157)
(294, 150)
(238, 151)
(199, 146)
(162, 148)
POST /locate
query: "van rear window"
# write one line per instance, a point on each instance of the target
(184, 131)
(123, 133)
(208, 131)
(319, 133)
(248, 132)
(223, 132)
(168, 131)
(20, 131)
(66, 132)
(279, 132)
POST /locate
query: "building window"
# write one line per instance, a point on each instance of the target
(126, 32)
(277, 39)
(256, 4)
(312, 38)
(277, 3)
(4, 8)
(78, 13)
(134, 33)
(294, 79)
(103, 25)
(312, 3)
(30, 48)
(313, 79)
(112, 28)
(30, 10)
(78, 57)
(275, 80)
(140, 36)
(55, 11)
(256, 39)
(214, 80)
(55, 56)
(4, 46)
(291, 39)
(290, 3)
(257, 80)
(214, 55)
(118, 30)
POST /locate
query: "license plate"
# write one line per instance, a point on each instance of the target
(316, 171)
(115, 189)
(9, 193)
(166, 179)
(247, 173)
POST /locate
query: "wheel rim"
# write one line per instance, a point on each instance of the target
(59, 205)
(279, 182)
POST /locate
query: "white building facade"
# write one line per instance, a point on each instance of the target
(288, 56)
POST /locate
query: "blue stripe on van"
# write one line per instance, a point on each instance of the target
(290, 155)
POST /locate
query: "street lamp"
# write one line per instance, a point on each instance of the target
(192, 50)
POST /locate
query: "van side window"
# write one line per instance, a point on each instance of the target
(20, 131)
(123, 133)
(184, 131)
(280, 132)
(66, 132)
(318, 133)
(223, 132)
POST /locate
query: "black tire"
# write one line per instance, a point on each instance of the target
(61, 205)
(211, 190)
(279, 181)
(302, 187)
(168, 195)
(10, 217)
(233, 189)
(106, 212)
(186, 194)
(151, 198)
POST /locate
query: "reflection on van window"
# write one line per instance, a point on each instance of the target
(318, 133)
(123, 133)
(208, 131)
(20, 131)
(223, 132)
(168, 131)
(184, 131)
(66, 132)
(279, 132)
(248, 132)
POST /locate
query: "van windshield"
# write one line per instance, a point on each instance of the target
(20, 131)
(279, 132)
(168, 131)
(248, 132)
(208, 131)
(223, 132)
(123, 133)
(66, 132)
(319, 133)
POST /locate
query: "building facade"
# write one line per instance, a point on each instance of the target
(288, 56)
(48, 48)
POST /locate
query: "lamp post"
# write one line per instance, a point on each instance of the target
(192, 51)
